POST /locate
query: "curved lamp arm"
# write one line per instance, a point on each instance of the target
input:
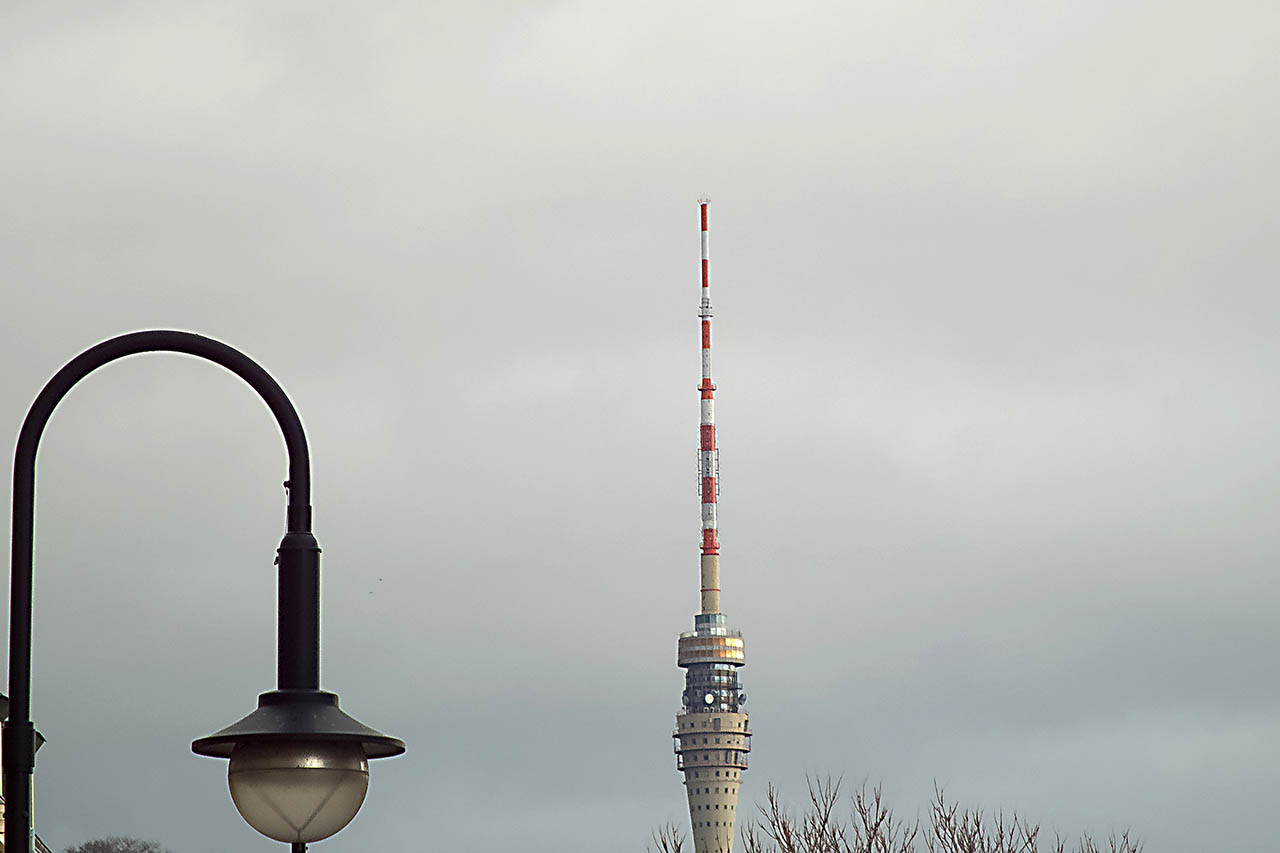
(299, 624)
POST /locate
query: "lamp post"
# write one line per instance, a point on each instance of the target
(298, 768)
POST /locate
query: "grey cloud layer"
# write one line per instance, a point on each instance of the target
(996, 361)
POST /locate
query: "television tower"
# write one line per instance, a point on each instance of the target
(712, 737)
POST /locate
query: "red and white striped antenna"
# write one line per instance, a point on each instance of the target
(708, 455)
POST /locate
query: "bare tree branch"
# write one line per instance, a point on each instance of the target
(872, 827)
(668, 839)
(118, 844)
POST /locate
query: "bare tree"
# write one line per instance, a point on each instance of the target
(953, 830)
(118, 844)
(668, 839)
(872, 827)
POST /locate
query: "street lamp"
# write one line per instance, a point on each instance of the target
(298, 767)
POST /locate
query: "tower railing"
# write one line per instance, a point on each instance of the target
(684, 635)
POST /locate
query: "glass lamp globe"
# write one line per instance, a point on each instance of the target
(298, 792)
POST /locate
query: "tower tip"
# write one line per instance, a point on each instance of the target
(704, 199)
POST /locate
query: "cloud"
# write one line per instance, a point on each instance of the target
(994, 348)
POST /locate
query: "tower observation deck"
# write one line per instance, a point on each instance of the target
(712, 735)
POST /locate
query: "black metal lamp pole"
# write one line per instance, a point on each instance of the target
(297, 716)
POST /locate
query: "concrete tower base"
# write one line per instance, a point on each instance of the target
(712, 749)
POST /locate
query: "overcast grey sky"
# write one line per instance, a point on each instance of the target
(997, 359)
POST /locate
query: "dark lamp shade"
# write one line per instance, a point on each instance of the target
(297, 717)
